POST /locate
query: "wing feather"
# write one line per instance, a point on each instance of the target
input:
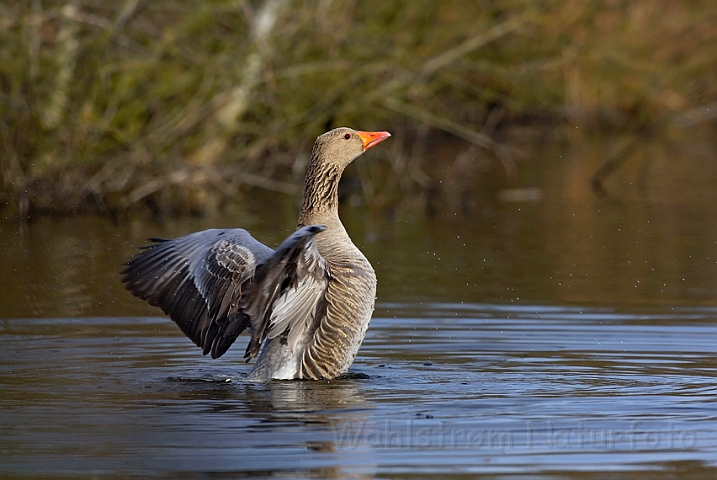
(289, 290)
(216, 283)
(197, 280)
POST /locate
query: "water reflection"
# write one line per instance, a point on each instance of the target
(605, 254)
(491, 388)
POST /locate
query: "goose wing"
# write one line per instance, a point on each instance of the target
(216, 283)
(289, 292)
(198, 280)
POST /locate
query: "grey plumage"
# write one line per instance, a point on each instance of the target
(307, 304)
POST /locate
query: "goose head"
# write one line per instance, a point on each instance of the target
(342, 145)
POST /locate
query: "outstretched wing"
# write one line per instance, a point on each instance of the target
(199, 280)
(289, 291)
(216, 283)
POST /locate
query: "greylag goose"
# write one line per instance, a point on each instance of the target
(307, 304)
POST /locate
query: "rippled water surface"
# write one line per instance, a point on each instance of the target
(440, 389)
(561, 335)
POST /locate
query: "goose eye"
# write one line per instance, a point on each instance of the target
(347, 136)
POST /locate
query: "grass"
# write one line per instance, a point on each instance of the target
(183, 106)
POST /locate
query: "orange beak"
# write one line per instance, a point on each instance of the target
(369, 139)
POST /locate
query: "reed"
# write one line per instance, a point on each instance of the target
(112, 106)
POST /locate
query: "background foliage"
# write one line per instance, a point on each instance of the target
(183, 106)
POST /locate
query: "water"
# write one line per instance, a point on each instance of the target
(459, 389)
(569, 337)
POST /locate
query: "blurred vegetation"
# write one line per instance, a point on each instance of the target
(185, 106)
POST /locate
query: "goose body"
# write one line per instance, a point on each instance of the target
(307, 304)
